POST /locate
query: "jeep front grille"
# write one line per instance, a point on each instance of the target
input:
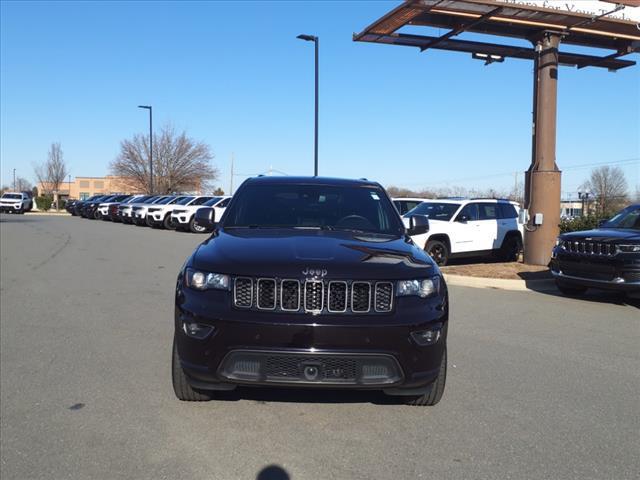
(243, 292)
(313, 295)
(589, 248)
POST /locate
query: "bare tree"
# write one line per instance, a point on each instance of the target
(51, 174)
(44, 185)
(179, 163)
(22, 184)
(609, 188)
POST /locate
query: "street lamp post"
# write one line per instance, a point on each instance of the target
(148, 107)
(316, 41)
(584, 196)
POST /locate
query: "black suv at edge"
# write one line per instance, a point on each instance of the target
(607, 257)
(311, 282)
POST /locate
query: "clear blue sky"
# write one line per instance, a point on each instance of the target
(234, 75)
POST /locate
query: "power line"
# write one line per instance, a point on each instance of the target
(629, 161)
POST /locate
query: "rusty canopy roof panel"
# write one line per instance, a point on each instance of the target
(506, 19)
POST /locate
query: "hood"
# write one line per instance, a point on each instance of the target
(292, 253)
(604, 235)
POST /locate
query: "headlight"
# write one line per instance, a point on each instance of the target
(205, 281)
(421, 288)
(629, 248)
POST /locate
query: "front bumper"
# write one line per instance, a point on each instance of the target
(11, 208)
(278, 349)
(181, 219)
(620, 272)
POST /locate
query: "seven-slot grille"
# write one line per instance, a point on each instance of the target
(589, 248)
(313, 295)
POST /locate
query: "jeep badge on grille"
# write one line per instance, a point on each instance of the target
(310, 272)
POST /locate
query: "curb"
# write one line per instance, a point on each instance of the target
(44, 214)
(501, 283)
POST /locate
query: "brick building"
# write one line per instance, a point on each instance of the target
(85, 187)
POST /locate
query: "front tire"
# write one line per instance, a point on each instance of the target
(439, 251)
(433, 396)
(194, 227)
(167, 223)
(183, 390)
(570, 290)
(510, 249)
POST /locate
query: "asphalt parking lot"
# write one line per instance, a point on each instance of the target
(539, 386)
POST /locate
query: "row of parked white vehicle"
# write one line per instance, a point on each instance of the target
(463, 227)
(172, 212)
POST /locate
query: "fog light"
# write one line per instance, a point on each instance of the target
(311, 372)
(426, 337)
(197, 330)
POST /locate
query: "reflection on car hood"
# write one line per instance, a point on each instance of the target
(289, 252)
(604, 235)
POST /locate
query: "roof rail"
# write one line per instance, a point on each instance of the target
(490, 198)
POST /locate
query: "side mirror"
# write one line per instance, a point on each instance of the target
(462, 218)
(418, 224)
(601, 223)
(204, 218)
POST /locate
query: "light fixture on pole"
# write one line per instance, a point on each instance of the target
(148, 107)
(584, 196)
(316, 41)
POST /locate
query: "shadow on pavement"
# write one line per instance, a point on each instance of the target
(14, 218)
(273, 472)
(547, 287)
(309, 395)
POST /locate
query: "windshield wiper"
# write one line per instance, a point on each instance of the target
(296, 227)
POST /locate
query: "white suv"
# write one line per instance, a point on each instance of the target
(15, 202)
(159, 215)
(459, 228)
(405, 204)
(184, 218)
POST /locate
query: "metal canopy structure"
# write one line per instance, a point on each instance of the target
(545, 28)
(500, 18)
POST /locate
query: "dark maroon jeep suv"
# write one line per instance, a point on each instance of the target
(315, 283)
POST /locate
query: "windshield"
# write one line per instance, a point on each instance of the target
(436, 210)
(164, 201)
(207, 201)
(627, 218)
(184, 200)
(12, 195)
(314, 206)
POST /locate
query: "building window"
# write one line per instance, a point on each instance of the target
(98, 184)
(84, 183)
(84, 195)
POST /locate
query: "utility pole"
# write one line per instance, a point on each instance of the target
(14, 179)
(542, 180)
(150, 108)
(316, 41)
(69, 197)
(231, 179)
